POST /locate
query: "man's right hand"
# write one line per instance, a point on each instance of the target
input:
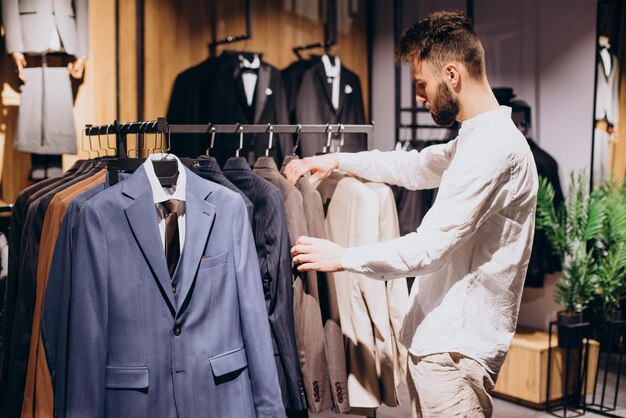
(320, 167)
(20, 63)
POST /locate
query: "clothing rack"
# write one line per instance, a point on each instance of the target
(230, 39)
(330, 31)
(160, 126)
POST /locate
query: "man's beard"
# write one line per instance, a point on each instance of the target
(445, 107)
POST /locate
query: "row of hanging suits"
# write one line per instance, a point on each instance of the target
(90, 302)
(239, 87)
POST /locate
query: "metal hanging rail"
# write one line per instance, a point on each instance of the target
(160, 126)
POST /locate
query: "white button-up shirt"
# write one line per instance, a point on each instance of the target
(471, 251)
(162, 194)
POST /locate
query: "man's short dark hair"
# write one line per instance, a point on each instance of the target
(442, 37)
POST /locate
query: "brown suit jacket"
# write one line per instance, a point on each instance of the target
(38, 392)
(314, 214)
(306, 307)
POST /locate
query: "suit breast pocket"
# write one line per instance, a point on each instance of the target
(209, 261)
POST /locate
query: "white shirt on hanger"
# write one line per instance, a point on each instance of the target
(249, 79)
(333, 72)
(471, 251)
(162, 194)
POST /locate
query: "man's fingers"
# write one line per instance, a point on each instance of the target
(300, 249)
(303, 258)
(307, 267)
(304, 240)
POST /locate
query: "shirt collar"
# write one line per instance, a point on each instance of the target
(159, 193)
(332, 71)
(470, 124)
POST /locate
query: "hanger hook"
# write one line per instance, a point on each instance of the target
(240, 128)
(169, 138)
(107, 140)
(329, 130)
(341, 131)
(270, 128)
(207, 152)
(82, 138)
(298, 133)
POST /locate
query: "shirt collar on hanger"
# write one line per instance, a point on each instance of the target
(332, 71)
(160, 193)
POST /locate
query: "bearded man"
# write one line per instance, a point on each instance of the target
(471, 251)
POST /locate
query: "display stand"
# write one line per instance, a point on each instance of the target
(601, 402)
(573, 400)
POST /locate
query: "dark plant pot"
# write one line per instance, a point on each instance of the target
(569, 337)
(613, 316)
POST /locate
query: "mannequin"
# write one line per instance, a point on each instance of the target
(47, 41)
(606, 109)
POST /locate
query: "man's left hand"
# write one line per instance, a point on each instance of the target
(317, 254)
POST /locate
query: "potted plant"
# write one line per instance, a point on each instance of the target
(572, 230)
(610, 252)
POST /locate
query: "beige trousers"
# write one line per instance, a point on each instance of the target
(449, 385)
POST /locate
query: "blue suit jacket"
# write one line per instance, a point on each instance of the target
(139, 348)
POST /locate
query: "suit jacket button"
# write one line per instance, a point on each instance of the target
(174, 289)
(177, 330)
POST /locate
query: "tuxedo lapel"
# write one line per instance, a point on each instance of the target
(343, 95)
(141, 216)
(240, 92)
(261, 90)
(199, 217)
(326, 87)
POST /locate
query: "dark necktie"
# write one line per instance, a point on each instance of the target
(172, 241)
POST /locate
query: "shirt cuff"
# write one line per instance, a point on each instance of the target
(351, 260)
(349, 161)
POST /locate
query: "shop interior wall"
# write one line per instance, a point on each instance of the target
(545, 51)
(177, 35)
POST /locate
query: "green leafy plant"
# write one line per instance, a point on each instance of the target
(573, 230)
(610, 250)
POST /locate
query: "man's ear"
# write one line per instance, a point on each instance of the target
(451, 74)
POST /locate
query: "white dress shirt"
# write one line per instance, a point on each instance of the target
(249, 79)
(471, 251)
(333, 73)
(162, 194)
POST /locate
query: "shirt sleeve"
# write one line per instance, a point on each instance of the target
(413, 170)
(467, 198)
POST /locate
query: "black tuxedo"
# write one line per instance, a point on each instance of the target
(213, 92)
(314, 106)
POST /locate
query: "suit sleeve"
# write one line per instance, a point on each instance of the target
(281, 306)
(88, 321)
(413, 170)
(54, 315)
(81, 10)
(256, 332)
(12, 26)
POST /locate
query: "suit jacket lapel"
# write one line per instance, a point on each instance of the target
(342, 90)
(326, 87)
(240, 92)
(199, 217)
(260, 92)
(141, 216)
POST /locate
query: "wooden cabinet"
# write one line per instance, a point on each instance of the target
(524, 375)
